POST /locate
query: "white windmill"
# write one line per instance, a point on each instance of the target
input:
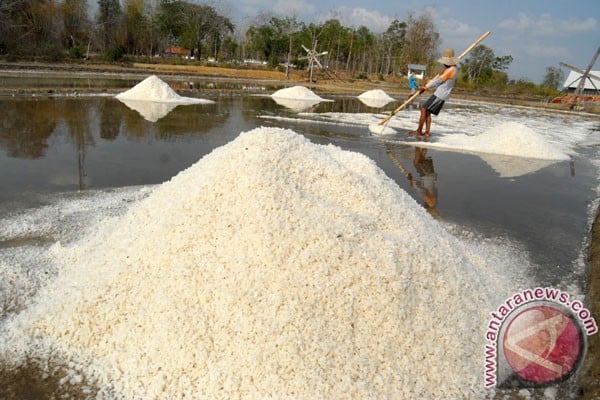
(313, 58)
(584, 76)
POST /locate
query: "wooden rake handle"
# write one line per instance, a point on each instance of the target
(411, 98)
(400, 107)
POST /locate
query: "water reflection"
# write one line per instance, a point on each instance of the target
(150, 110)
(77, 122)
(95, 142)
(109, 120)
(25, 127)
(426, 181)
(296, 105)
(374, 103)
(351, 105)
(511, 167)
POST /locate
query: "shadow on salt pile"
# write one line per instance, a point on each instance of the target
(153, 99)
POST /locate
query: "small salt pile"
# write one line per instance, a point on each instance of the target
(375, 98)
(154, 98)
(296, 93)
(297, 98)
(271, 268)
(154, 89)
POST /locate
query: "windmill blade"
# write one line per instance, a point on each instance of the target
(579, 70)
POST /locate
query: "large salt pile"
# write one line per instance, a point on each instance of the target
(509, 139)
(154, 98)
(271, 268)
(375, 98)
(511, 149)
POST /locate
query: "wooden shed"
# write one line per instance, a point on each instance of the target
(417, 69)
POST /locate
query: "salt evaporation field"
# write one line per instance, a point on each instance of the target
(278, 266)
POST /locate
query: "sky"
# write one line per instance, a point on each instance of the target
(537, 34)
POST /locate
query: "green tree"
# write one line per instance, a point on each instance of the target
(333, 37)
(220, 28)
(171, 19)
(30, 27)
(109, 22)
(229, 48)
(422, 40)
(482, 65)
(136, 25)
(11, 26)
(393, 41)
(76, 24)
(269, 40)
(364, 45)
(553, 78)
(202, 23)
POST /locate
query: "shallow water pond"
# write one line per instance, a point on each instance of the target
(62, 144)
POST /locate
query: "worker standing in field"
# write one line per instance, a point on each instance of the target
(412, 83)
(444, 83)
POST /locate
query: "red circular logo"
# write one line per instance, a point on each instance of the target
(542, 344)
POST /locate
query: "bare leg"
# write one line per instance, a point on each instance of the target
(422, 120)
(427, 124)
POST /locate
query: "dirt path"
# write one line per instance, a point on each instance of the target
(345, 85)
(589, 376)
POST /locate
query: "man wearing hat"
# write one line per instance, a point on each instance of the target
(444, 83)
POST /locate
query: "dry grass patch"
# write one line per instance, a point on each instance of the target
(220, 71)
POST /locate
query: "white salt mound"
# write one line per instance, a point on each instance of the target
(375, 98)
(271, 268)
(375, 94)
(295, 104)
(154, 89)
(296, 93)
(511, 139)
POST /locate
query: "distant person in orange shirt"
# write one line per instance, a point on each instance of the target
(444, 83)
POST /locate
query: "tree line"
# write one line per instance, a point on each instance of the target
(58, 29)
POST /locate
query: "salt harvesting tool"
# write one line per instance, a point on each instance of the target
(381, 126)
